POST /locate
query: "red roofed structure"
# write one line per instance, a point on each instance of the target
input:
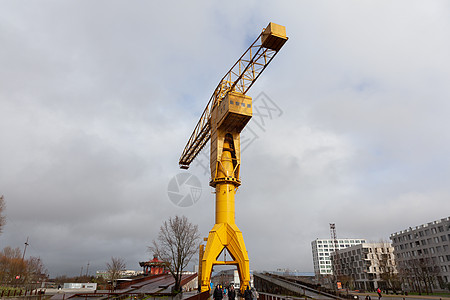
(155, 266)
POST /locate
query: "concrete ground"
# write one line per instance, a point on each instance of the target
(374, 296)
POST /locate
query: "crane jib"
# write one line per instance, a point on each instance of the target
(240, 78)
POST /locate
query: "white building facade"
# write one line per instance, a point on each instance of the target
(321, 252)
(367, 266)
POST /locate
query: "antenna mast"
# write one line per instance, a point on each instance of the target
(336, 254)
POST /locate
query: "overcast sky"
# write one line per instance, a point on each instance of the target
(98, 99)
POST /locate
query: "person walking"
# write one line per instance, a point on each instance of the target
(231, 293)
(218, 293)
(255, 294)
(248, 294)
(379, 293)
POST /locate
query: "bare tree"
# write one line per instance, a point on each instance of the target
(36, 271)
(114, 268)
(420, 274)
(177, 242)
(2, 216)
(12, 266)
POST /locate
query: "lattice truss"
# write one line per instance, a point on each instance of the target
(239, 78)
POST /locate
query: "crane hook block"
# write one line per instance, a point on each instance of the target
(274, 36)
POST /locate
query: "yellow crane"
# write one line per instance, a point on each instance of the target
(225, 116)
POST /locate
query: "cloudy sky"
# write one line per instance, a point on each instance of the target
(98, 99)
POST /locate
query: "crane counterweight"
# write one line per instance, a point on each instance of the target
(274, 36)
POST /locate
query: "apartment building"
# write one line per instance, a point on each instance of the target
(366, 266)
(423, 255)
(322, 249)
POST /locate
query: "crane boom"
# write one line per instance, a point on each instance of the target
(239, 78)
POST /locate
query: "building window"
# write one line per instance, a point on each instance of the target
(443, 238)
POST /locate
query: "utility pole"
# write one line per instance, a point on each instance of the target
(87, 269)
(25, 249)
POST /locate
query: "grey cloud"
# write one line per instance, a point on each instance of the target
(97, 101)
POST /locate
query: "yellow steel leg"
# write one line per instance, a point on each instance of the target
(225, 233)
(225, 236)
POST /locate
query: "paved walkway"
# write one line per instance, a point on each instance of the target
(374, 296)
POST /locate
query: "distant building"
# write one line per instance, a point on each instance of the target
(227, 277)
(123, 274)
(89, 286)
(423, 255)
(366, 266)
(322, 249)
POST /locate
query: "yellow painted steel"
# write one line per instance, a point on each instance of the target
(225, 116)
(239, 78)
(225, 234)
(230, 116)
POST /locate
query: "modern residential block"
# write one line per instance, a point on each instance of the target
(423, 255)
(366, 266)
(322, 249)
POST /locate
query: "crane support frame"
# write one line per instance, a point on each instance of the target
(225, 116)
